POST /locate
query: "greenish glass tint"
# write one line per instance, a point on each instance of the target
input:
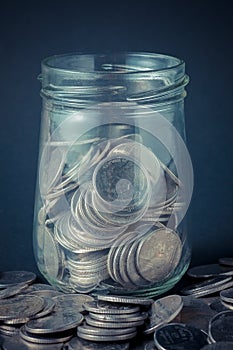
(114, 175)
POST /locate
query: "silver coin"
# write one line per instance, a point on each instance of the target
(13, 290)
(108, 338)
(100, 233)
(88, 261)
(110, 308)
(126, 194)
(137, 316)
(47, 293)
(57, 322)
(220, 287)
(53, 256)
(227, 261)
(63, 234)
(88, 329)
(48, 308)
(180, 336)
(61, 190)
(227, 295)
(113, 325)
(219, 346)
(129, 276)
(91, 215)
(116, 248)
(9, 329)
(40, 339)
(136, 150)
(88, 268)
(96, 211)
(163, 310)
(16, 342)
(111, 285)
(81, 344)
(131, 270)
(22, 306)
(53, 161)
(206, 285)
(70, 236)
(84, 286)
(115, 259)
(17, 321)
(210, 270)
(125, 167)
(158, 254)
(91, 235)
(221, 327)
(84, 283)
(8, 278)
(86, 239)
(75, 301)
(122, 262)
(39, 287)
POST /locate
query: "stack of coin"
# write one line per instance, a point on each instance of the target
(95, 196)
(113, 318)
(87, 270)
(208, 286)
(214, 278)
(58, 327)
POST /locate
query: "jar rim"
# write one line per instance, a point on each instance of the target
(85, 63)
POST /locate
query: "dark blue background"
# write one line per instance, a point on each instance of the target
(199, 32)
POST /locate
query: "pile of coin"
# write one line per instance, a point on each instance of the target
(98, 208)
(112, 318)
(37, 313)
(35, 316)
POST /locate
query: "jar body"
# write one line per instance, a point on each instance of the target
(114, 175)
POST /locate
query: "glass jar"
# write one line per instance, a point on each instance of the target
(114, 175)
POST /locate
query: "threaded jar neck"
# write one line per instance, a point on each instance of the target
(78, 80)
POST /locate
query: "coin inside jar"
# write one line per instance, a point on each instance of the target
(120, 184)
(158, 254)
